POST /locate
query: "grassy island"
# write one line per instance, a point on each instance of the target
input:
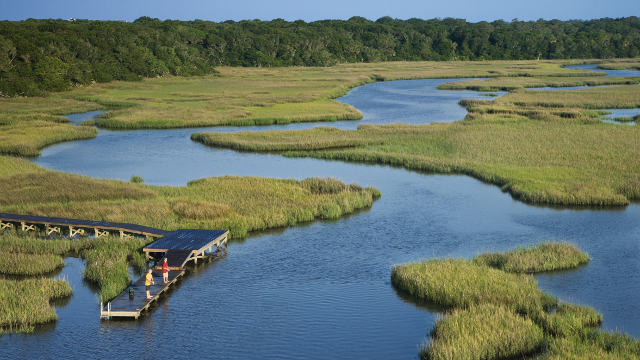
(25, 303)
(495, 314)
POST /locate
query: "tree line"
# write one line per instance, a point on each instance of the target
(38, 56)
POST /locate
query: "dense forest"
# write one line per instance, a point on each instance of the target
(37, 56)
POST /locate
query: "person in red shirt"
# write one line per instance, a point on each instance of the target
(165, 271)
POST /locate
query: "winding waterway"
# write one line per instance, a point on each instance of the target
(322, 289)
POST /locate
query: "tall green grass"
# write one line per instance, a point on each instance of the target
(460, 283)
(25, 303)
(497, 315)
(512, 84)
(482, 332)
(108, 258)
(240, 204)
(593, 345)
(29, 264)
(108, 261)
(553, 162)
(29, 124)
(545, 256)
(29, 243)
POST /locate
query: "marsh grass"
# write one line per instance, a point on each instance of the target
(462, 284)
(495, 315)
(620, 64)
(292, 140)
(546, 256)
(264, 96)
(593, 345)
(55, 187)
(479, 333)
(554, 161)
(25, 303)
(29, 124)
(27, 243)
(240, 204)
(108, 261)
(512, 84)
(29, 264)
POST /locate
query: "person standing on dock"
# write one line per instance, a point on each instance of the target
(165, 271)
(148, 281)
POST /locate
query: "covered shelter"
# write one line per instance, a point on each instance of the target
(183, 245)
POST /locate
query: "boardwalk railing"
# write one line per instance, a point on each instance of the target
(76, 226)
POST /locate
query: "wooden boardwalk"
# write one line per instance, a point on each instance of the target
(127, 306)
(178, 247)
(77, 226)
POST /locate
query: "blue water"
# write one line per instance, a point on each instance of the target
(322, 289)
(616, 73)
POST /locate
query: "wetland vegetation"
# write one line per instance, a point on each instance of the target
(25, 303)
(554, 161)
(540, 146)
(495, 314)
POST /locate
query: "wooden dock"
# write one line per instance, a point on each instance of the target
(179, 247)
(125, 305)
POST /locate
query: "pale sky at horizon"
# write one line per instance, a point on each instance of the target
(290, 10)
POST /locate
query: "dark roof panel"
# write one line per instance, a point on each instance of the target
(187, 239)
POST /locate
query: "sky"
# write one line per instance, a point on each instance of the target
(312, 10)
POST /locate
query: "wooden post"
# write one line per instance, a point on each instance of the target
(6, 225)
(100, 232)
(73, 232)
(52, 229)
(26, 227)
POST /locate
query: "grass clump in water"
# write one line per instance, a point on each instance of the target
(546, 256)
(25, 303)
(108, 259)
(107, 263)
(488, 306)
(460, 283)
(593, 344)
(29, 264)
(471, 334)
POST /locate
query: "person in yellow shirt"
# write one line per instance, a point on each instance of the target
(148, 281)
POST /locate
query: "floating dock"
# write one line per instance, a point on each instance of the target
(179, 247)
